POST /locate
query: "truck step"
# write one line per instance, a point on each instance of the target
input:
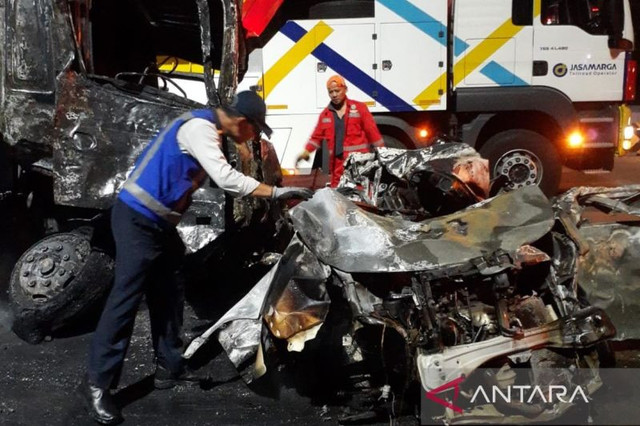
(595, 171)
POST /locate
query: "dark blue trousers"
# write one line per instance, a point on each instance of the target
(148, 257)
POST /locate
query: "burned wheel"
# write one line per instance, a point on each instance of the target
(519, 158)
(47, 268)
(55, 281)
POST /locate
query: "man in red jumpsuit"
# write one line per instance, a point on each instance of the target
(347, 126)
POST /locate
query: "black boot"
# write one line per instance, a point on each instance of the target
(165, 379)
(99, 403)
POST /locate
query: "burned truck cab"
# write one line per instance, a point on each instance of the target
(80, 97)
(80, 93)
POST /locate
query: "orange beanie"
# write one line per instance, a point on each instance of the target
(337, 80)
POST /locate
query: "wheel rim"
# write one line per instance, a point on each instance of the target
(520, 167)
(49, 266)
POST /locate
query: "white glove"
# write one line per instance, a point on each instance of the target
(289, 192)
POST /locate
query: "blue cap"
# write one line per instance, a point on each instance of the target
(251, 106)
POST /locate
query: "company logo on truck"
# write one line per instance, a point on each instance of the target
(604, 68)
(559, 70)
(593, 69)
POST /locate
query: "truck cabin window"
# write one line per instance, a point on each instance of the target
(522, 12)
(124, 37)
(590, 15)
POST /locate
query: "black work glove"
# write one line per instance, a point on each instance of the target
(346, 190)
(289, 192)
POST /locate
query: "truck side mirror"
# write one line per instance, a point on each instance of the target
(620, 43)
(615, 26)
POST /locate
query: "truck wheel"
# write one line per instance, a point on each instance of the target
(56, 281)
(342, 9)
(523, 157)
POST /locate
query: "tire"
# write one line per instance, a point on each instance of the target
(55, 282)
(521, 157)
(342, 9)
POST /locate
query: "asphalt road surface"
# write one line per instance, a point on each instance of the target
(626, 171)
(37, 382)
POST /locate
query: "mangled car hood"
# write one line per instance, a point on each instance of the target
(608, 268)
(403, 164)
(350, 239)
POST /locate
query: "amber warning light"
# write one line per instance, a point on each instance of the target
(422, 135)
(575, 139)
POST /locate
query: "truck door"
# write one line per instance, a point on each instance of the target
(31, 48)
(492, 44)
(412, 60)
(403, 74)
(352, 47)
(300, 58)
(570, 38)
(30, 65)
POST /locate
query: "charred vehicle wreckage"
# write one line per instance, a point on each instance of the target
(388, 288)
(80, 101)
(407, 276)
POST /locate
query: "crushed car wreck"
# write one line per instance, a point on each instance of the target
(608, 271)
(405, 277)
(399, 296)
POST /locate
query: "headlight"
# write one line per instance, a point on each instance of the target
(628, 132)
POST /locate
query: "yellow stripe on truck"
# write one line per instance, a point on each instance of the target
(171, 64)
(472, 60)
(537, 7)
(293, 57)
(432, 94)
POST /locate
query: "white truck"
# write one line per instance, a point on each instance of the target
(531, 84)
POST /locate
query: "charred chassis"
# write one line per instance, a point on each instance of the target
(386, 293)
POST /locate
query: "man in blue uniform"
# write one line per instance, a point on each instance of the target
(149, 249)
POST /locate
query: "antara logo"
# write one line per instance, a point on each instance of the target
(529, 394)
(513, 393)
(593, 67)
(455, 384)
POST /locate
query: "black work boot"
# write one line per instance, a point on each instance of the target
(99, 403)
(165, 379)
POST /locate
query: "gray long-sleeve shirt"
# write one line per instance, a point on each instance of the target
(200, 139)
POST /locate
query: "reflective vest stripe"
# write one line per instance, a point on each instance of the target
(151, 203)
(356, 147)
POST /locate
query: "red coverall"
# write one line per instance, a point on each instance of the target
(361, 134)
